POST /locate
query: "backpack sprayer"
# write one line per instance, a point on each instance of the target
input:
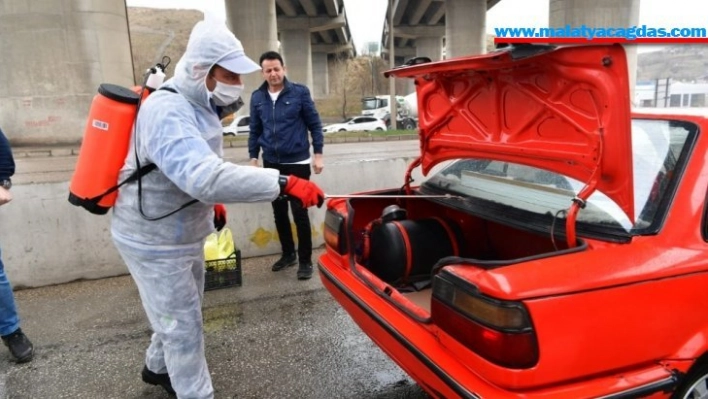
(109, 126)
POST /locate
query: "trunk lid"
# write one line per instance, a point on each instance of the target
(562, 109)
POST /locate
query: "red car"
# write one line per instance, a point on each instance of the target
(559, 250)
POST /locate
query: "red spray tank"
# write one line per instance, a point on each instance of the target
(109, 127)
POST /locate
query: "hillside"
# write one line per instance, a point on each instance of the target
(157, 32)
(681, 62)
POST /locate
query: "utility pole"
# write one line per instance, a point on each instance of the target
(391, 61)
(373, 75)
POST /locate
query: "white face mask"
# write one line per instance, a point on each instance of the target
(225, 95)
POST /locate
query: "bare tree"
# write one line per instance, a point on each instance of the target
(350, 80)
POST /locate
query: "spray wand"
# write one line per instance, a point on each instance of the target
(373, 196)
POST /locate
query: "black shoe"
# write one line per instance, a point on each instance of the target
(286, 260)
(20, 346)
(304, 271)
(162, 380)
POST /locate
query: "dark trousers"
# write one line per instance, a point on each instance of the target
(300, 216)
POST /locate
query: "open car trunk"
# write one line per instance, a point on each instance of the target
(400, 244)
(559, 109)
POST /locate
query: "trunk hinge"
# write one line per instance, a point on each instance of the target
(417, 162)
(407, 184)
(580, 200)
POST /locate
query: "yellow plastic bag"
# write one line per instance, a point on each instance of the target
(219, 246)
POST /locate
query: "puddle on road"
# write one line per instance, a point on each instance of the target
(221, 317)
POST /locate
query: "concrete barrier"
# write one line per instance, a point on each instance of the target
(45, 240)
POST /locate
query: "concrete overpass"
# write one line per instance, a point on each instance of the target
(56, 53)
(322, 23)
(325, 19)
(309, 31)
(421, 26)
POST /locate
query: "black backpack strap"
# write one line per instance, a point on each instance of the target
(138, 173)
(133, 177)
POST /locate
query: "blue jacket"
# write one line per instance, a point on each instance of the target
(7, 162)
(280, 128)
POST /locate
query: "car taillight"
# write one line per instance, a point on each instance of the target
(499, 331)
(334, 231)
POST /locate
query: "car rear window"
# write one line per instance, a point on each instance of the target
(659, 150)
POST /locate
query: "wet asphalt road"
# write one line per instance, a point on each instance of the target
(273, 337)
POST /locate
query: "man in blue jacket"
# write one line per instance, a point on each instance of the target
(12, 336)
(282, 112)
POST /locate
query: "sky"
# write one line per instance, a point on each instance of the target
(366, 17)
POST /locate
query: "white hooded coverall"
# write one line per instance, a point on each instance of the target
(181, 134)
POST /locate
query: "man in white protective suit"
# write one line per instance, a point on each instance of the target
(178, 129)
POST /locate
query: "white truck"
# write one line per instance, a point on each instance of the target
(379, 107)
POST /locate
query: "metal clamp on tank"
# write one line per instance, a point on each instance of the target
(393, 212)
(157, 74)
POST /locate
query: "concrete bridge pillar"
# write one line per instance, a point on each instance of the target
(465, 27)
(599, 13)
(53, 57)
(254, 24)
(403, 86)
(297, 52)
(430, 47)
(320, 75)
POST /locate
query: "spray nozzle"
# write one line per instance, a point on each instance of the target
(157, 67)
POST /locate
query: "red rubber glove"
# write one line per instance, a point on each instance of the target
(219, 216)
(304, 190)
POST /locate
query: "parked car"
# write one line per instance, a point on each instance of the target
(356, 124)
(239, 125)
(559, 251)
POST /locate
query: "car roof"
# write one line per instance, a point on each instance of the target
(697, 112)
